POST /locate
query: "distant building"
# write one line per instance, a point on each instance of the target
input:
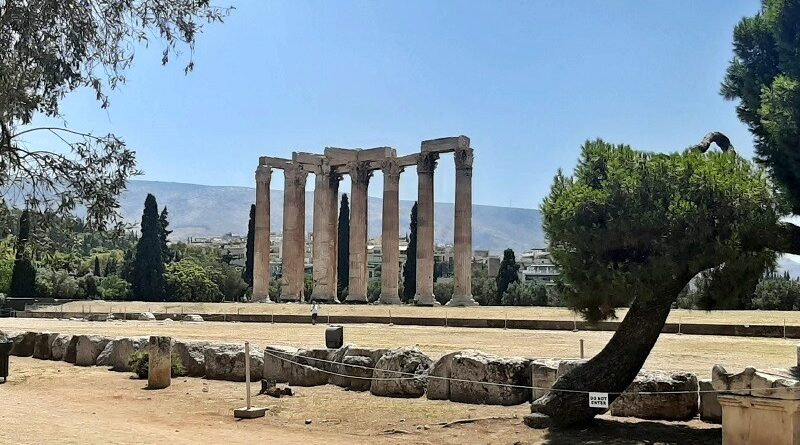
(234, 247)
(537, 266)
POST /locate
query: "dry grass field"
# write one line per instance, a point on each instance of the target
(791, 318)
(672, 352)
(55, 402)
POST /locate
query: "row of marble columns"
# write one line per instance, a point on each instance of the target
(325, 237)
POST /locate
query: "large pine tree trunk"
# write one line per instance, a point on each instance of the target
(614, 368)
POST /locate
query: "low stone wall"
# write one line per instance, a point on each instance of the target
(770, 331)
(467, 376)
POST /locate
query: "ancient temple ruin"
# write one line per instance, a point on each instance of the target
(359, 164)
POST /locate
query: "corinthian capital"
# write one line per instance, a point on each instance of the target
(426, 163)
(359, 171)
(263, 174)
(464, 158)
(295, 174)
(390, 167)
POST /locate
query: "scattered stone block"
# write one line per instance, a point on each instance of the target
(41, 345)
(544, 374)
(117, 353)
(356, 363)
(476, 366)
(226, 362)
(438, 386)
(71, 351)
(758, 407)
(710, 409)
(537, 421)
(275, 365)
(566, 366)
(310, 367)
(58, 347)
(23, 344)
(401, 363)
(676, 407)
(159, 366)
(192, 357)
(88, 348)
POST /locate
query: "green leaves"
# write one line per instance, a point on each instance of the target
(763, 76)
(629, 224)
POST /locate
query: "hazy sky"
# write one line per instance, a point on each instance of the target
(527, 81)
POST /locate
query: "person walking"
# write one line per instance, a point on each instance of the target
(314, 313)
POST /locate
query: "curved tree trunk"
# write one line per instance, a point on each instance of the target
(614, 368)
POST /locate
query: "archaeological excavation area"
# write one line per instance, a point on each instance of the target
(405, 383)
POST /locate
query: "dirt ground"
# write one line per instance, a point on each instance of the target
(693, 353)
(55, 402)
(792, 318)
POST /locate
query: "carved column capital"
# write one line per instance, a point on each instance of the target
(295, 174)
(426, 163)
(464, 158)
(390, 167)
(359, 171)
(263, 174)
(323, 168)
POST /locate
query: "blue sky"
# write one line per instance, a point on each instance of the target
(527, 81)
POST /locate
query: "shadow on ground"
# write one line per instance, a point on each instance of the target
(607, 431)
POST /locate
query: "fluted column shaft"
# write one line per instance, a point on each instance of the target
(390, 236)
(334, 224)
(357, 286)
(261, 242)
(462, 229)
(425, 168)
(294, 216)
(323, 248)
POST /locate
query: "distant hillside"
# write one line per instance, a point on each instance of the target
(201, 210)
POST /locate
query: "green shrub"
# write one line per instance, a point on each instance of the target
(139, 362)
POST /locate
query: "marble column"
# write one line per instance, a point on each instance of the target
(426, 165)
(390, 236)
(323, 248)
(261, 242)
(294, 228)
(357, 286)
(462, 229)
(334, 224)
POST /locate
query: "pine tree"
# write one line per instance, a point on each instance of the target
(163, 235)
(148, 265)
(97, 266)
(23, 276)
(507, 274)
(410, 268)
(111, 267)
(247, 273)
(344, 246)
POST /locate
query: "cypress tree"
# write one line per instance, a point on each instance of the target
(23, 276)
(344, 246)
(163, 235)
(410, 268)
(507, 274)
(247, 273)
(97, 266)
(148, 264)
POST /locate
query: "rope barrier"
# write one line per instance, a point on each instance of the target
(507, 385)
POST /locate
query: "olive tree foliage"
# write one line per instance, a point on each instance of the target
(764, 77)
(631, 228)
(51, 48)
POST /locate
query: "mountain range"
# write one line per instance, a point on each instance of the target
(203, 210)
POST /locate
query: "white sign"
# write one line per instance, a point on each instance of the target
(598, 400)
